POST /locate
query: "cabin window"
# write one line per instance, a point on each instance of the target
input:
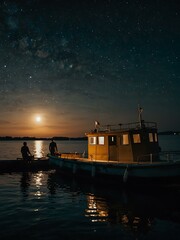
(101, 140)
(92, 140)
(112, 140)
(136, 138)
(155, 137)
(151, 137)
(125, 139)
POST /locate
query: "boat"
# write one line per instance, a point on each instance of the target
(122, 153)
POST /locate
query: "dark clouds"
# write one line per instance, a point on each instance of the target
(90, 59)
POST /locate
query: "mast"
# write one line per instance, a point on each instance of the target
(140, 116)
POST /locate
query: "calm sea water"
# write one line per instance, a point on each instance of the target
(12, 149)
(46, 205)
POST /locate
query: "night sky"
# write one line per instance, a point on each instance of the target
(74, 62)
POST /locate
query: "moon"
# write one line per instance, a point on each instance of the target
(38, 119)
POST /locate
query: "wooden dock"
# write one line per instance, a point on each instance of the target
(19, 165)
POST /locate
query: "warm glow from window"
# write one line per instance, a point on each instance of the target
(155, 137)
(151, 137)
(136, 138)
(92, 140)
(101, 140)
(125, 139)
(112, 140)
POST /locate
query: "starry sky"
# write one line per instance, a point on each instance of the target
(74, 62)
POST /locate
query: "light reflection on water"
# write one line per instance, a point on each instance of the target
(47, 201)
(38, 149)
(37, 178)
(97, 209)
(50, 206)
(11, 149)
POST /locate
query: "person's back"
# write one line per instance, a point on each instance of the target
(52, 147)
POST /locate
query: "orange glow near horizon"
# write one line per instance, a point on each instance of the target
(42, 129)
(41, 124)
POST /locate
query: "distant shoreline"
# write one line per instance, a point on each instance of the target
(7, 138)
(10, 138)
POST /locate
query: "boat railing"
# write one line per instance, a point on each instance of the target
(125, 127)
(170, 155)
(149, 158)
(73, 155)
(165, 156)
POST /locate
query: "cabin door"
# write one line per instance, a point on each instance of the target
(112, 145)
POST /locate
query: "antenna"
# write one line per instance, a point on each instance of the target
(140, 115)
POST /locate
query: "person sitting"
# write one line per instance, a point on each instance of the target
(26, 154)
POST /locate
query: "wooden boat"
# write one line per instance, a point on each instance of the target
(123, 153)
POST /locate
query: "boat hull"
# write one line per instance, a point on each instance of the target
(121, 171)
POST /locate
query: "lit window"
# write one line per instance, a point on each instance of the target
(125, 139)
(112, 140)
(151, 137)
(92, 140)
(101, 140)
(136, 138)
(155, 137)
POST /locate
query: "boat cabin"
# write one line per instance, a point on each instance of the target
(133, 142)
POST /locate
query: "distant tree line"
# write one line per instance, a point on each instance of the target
(10, 138)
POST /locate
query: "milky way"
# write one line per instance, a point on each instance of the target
(74, 63)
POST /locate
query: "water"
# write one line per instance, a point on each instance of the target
(11, 149)
(170, 142)
(46, 205)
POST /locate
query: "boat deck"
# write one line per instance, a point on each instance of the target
(131, 163)
(165, 157)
